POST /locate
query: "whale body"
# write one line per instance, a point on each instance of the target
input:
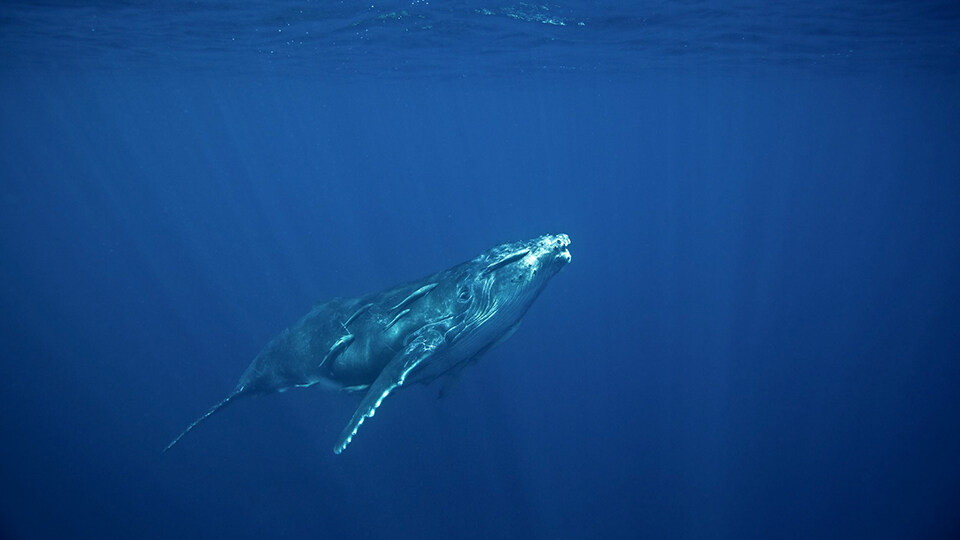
(414, 332)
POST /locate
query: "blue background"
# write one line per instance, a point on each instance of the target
(757, 336)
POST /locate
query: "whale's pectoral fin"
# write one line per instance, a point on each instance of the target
(392, 376)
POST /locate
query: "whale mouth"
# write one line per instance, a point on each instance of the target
(563, 243)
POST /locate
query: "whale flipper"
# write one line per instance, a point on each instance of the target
(392, 376)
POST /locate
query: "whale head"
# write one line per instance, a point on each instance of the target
(509, 277)
(525, 267)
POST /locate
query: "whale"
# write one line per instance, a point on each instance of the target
(414, 332)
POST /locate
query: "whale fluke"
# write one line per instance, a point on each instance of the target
(206, 415)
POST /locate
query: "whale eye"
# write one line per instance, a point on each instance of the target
(463, 294)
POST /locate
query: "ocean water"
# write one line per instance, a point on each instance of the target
(758, 335)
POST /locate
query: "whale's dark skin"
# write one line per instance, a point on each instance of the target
(417, 331)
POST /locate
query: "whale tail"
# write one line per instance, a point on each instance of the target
(206, 415)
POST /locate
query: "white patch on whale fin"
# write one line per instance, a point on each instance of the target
(392, 376)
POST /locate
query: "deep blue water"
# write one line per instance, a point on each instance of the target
(758, 335)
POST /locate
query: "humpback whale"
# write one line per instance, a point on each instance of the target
(415, 332)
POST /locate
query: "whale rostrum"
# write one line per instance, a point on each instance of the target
(418, 331)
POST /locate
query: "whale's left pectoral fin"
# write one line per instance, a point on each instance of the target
(392, 376)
